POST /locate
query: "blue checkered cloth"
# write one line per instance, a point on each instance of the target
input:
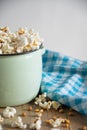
(64, 79)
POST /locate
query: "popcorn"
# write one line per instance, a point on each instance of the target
(36, 124)
(41, 98)
(9, 112)
(55, 105)
(46, 105)
(6, 49)
(23, 41)
(19, 50)
(19, 124)
(31, 39)
(41, 101)
(1, 119)
(19, 41)
(31, 31)
(21, 31)
(2, 40)
(34, 46)
(4, 29)
(54, 123)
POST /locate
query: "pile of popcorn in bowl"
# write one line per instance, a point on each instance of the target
(21, 41)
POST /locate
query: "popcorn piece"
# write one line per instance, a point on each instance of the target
(4, 29)
(9, 112)
(27, 48)
(46, 105)
(55, 105)
(19, 50)
(38, 100)
(21, 31)
(1, 119)
(54, 123)
(1, 127)
(41, 98)
(2, 40)
(34, 45)
(18, 123)
(36, 124)
(31, 39)
(31, 31)
(6, 49)
(23, 41)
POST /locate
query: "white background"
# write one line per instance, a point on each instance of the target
(62, 23)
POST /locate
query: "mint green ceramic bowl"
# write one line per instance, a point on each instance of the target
(20, 77)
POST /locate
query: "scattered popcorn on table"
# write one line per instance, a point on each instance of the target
(36, 124)
(9, 112)
(54, 123)
(42, 102)
(23, 40)
(19, 123)
(57, 122)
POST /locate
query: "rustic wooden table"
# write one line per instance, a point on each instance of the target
(77, 120)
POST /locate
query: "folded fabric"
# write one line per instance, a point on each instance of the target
(64, 79)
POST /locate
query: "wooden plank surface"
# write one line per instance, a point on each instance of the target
(77, 120)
